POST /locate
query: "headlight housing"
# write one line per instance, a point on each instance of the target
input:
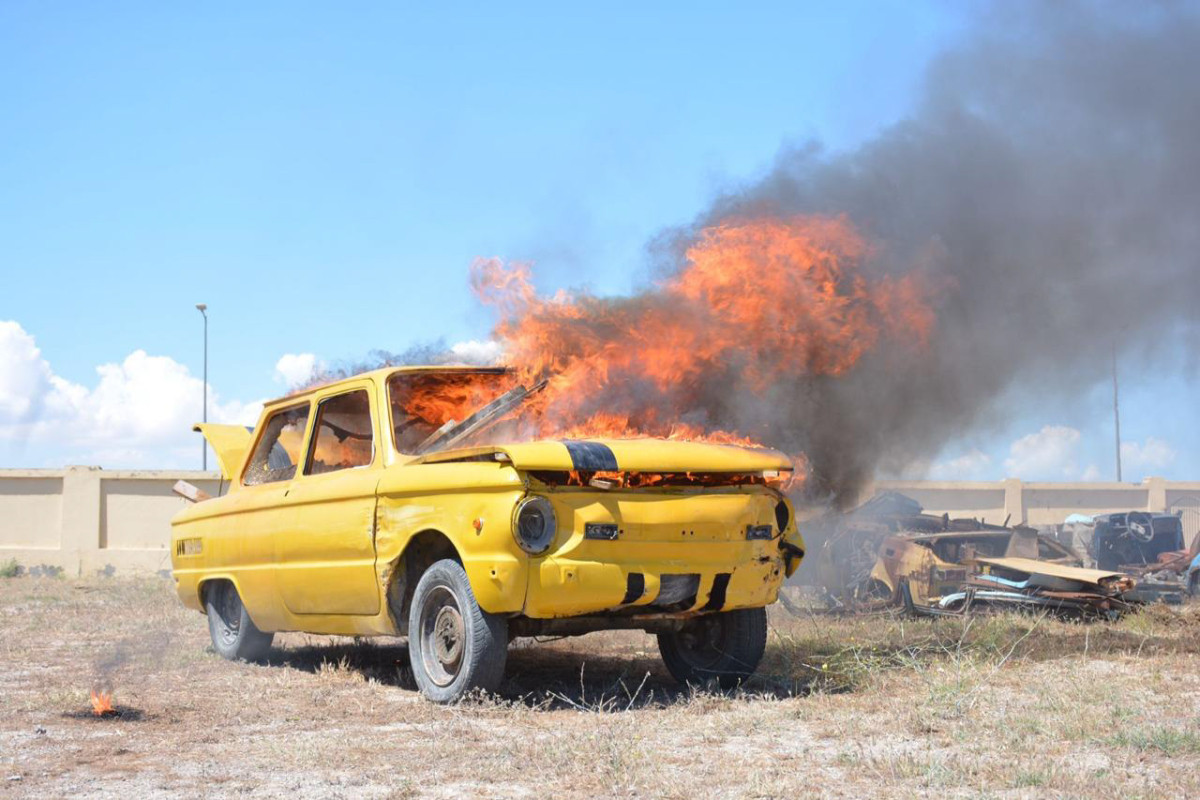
(534, 525)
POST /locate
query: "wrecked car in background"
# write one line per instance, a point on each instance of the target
(392, 503)
(868, 552)
(887, 553)
(1030, 584)
(1148, 546)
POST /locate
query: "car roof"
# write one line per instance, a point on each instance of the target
(383, 373)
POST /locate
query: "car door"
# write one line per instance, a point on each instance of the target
(260, 510)
(325, 559)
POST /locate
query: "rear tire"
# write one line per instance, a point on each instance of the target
(454, 646)
(724, 647)
(234, 635)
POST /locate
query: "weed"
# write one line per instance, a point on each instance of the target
(1028, 778)
(1166, 740)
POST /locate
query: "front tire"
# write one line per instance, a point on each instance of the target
(724, 647)
(234, 635)
(454, 646)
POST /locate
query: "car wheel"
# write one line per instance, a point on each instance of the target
(454, 646)
(233, 634)
(725, 647)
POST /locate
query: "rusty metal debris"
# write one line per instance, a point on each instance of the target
(887, 554)
(1149, 547)
(1029, 584)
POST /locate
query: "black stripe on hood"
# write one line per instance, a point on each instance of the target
(592, 456)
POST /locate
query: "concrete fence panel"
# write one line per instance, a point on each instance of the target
(82, 520)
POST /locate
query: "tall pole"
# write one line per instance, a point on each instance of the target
(1116, 411)
(203, 309)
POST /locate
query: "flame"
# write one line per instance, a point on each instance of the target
(756, 305)
(756, 302)
(102, 703)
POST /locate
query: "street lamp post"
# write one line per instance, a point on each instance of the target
(203, 309)
(1116, 411)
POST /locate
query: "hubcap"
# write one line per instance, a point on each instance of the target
(442, 636)
(447, 631)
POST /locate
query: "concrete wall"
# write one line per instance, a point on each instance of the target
(84, 519)
(1051, 503)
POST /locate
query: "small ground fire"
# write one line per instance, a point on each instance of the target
(102, 705)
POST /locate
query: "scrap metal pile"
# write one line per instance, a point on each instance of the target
(1149, 547)
(888, 554)
(1026, 583)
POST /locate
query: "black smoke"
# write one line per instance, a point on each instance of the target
(1049, 181)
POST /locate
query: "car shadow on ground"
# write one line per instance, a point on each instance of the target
(538, 676)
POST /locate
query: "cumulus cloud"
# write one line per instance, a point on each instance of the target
(1051, 453)
(139, 413)
(973, 465)
(1142, 458)
(24, 376)
(476, 352)
(296, 369)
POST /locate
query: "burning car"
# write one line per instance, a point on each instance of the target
(375, 506)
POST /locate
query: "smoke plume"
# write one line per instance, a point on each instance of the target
(1038, 208)
(1050, 178)
(1045, 190)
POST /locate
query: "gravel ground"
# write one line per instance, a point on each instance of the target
(843, 707)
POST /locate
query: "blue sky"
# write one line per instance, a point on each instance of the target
(321, 176)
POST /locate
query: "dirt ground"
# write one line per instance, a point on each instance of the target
(998, 707)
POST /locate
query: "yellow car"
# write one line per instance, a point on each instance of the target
(376, 506)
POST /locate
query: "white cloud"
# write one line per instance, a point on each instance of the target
(973, 465)
(476, 352)
(1050, 454)
(295, 369)
(1145, 457)
(139, 413)
(24, 376)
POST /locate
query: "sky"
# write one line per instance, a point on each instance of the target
(322, 176)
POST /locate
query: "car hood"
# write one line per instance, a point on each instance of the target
(622, 455)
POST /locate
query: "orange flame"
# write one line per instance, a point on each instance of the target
(756, 302)
(757, 305)
(102, 703)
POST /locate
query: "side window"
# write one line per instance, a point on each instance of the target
(342, 438)
(278, 449)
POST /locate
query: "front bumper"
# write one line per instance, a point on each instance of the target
(679, 555)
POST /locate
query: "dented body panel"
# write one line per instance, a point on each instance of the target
(327, 525)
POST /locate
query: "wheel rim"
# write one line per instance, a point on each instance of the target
(229, 609)
(702, 644)
(442, 636)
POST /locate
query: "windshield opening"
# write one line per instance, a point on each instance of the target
(437, 410)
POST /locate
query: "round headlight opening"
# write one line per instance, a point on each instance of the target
(534, 525)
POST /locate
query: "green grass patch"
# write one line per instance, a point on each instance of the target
(1166, 740)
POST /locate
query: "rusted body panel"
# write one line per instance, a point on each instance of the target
(893, 555)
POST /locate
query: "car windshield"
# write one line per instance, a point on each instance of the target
(454, 408)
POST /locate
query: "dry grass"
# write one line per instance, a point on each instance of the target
(850, 707)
